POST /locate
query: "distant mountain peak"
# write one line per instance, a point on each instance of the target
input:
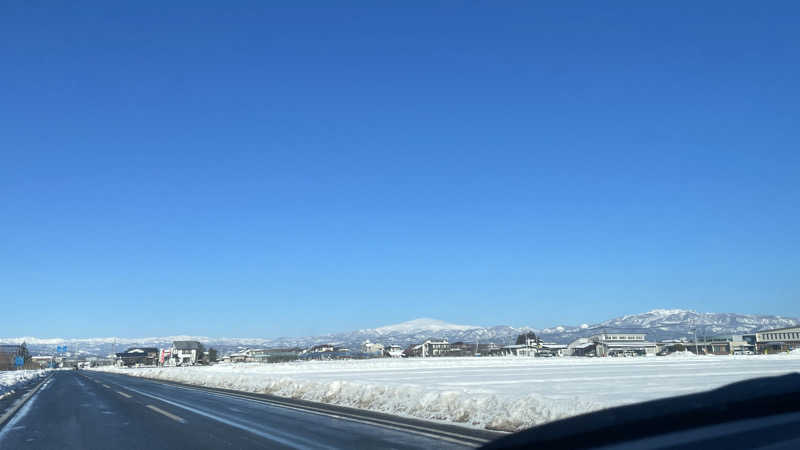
(669, 312)
(422, 324)
(657, 324)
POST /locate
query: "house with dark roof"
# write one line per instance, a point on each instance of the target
(145, 356)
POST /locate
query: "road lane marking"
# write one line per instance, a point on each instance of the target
(347, 415)
(372, 421)
(168, 414)
(443, 435)
(107, 386)
(123, 394)
(290, 441)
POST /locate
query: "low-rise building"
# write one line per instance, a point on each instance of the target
(462, 349)
(724, 345)
(487, 348)
(428, 349)
(372, 348)
(623, 344)
(778, 340)
(551, 349)
(43, 361)
(613, 344)
(135, 356)
(582, 347)
(321, 348)
(187, 353)
(393, 351)
(515, 350)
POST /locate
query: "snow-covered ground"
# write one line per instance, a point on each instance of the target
(10, 379)
(495, 393)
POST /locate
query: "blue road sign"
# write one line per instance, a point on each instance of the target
(19, 361)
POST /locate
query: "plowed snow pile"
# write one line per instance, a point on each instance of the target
(8, 380)
(495, 393)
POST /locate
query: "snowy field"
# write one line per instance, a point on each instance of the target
(496, 393)
(9, 379)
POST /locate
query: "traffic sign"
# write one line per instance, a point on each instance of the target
(19, 361)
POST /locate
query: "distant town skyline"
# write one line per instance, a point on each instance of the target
(249, 171)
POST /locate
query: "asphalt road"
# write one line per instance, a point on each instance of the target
(90, 410)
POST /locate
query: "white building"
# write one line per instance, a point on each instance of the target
(372, 347)
(430, 348)
(393, 351)
(518, 350)
(623, 344)
(187, 353)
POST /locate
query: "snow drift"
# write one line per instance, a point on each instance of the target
(494, 393)
(9, 380)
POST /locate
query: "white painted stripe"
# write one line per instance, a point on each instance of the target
(397, 426)
(347, 415)
(291, 442)
(107, 386)
(123, 394)
(448, 436)
(166, 413)
(383, 423)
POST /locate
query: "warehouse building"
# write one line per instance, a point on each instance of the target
(778, 340)
(613, 344)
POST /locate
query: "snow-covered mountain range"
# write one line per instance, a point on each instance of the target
(657, 324)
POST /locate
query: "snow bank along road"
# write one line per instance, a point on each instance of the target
(9, 380)
(92, 410)
(495, 393)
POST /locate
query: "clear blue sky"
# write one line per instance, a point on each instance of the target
(257, 171)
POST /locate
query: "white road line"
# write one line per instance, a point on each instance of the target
(123, 394)
(398, 426)
(107, 386)
(293, 441)
(168, 414)
(392, 425)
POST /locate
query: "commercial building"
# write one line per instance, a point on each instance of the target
(778, 340)
(429, 348)
(612, 344)
(727, 345)
(623, 344)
